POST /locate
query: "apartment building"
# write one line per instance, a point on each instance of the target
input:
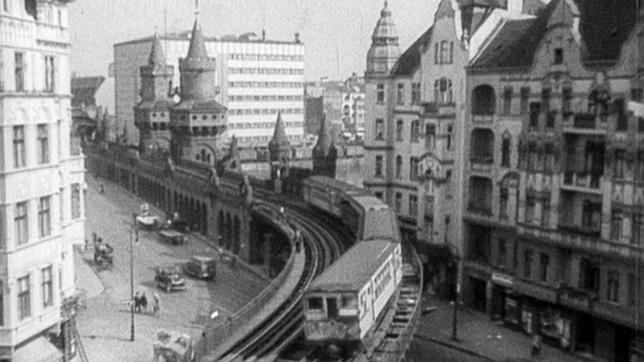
(554, 177)
(415, 102)
(256, 78)
(42, 178)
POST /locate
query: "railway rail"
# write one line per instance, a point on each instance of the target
(323, 243)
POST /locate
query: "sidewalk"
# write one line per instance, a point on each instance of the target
(480, 337)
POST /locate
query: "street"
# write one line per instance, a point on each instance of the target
(105, 324)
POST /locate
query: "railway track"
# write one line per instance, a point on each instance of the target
(323, 243)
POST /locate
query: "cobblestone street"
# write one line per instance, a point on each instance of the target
(105, 324)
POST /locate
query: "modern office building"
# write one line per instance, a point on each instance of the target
(41, 178)
(554, 177)
(255, 79)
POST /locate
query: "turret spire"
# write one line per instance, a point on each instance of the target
(157, 56)
(197, 48)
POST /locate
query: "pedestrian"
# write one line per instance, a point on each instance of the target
(144, 303)
(137, 302)
(157, 305)
(536, 345)
(102, 188)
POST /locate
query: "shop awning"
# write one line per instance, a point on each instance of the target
(38, 350)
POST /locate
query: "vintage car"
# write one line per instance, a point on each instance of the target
(169, 278)
(201, 267)
(173, 347)
(148, 222)
(172, 236)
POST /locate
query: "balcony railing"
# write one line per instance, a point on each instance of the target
(590, 230)
(581, 238)
(482, 118)
(583, 181)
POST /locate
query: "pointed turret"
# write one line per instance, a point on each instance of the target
(197, 70)
(325, 152)
(384, 50)
(197, 48)
(157, 56)
(155, 102)
(279, 146)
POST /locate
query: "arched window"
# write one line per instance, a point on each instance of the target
(399, 166)
(437, 91)
(415, 130)
(443, 92)
(506, 149)
(444, 52)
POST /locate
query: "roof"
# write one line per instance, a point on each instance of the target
(185, 35)
(355, 267)
(199, 106)
(197, 47)
(410, 59)
(604, 26)
(378, 219)
(84, 90)
(87, 82)
(156, 52)
(156, 105)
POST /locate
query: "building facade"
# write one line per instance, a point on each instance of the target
(554, 172)
(415, 103)
(41, 198)
(255, 78)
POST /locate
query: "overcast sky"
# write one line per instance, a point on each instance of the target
(330, 29)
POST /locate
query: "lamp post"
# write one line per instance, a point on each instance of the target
(457, 292)
(133, 234)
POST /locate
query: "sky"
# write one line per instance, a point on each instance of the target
(336, 33)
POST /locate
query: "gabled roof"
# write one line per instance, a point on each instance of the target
(604, 26)
(410, 59)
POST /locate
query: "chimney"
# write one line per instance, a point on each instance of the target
(297, 38)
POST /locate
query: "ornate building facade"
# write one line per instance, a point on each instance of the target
(554, 172)
(42, 177)
(415, 103)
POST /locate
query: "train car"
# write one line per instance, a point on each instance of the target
(368, 216)
(343, 304)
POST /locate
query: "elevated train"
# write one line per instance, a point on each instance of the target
(347, 300)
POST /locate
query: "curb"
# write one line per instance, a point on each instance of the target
(455, 347)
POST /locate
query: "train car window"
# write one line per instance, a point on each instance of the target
(332, 307)
(315, 303)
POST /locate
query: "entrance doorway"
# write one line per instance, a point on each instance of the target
(478, 298)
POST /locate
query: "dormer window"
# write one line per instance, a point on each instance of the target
(559, 56)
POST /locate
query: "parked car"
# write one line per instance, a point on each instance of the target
(201, 267)
(172, 236)
(169, 278)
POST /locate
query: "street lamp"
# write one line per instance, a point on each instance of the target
(133, 234)
(457, 291)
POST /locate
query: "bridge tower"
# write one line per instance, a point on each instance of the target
(325, 154)
(280, 150)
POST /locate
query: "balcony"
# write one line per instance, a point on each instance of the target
(585, 182)
(482, 118)
(482, 163)
(585, 123)
(581, 238)
(576, 298)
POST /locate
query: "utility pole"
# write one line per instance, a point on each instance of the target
(132, 231)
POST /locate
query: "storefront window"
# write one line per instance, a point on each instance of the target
(511, 311)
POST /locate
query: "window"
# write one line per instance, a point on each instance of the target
(535, 109)
(430, 136)
(525, 99)
(589, 275)
(19, 63)
(638, 229)
(503, 252)
(380, 93)
(19, 146)
(50, 73)
(622, 118)
(400, 94)
(507, 100)
(632, 290)
(399, 130)
(445, 56)
(612, 290)
(24, 300)
(44, 217)
(398, 202)
(503, 203)
(379, 195)
(449, 138)
(559, 56)
(591, 215)
(47, 288)
(505, 151)
(550, 119)
(413, 205)
(616, 225)
(436, 59)
(5, 5)
(76, 212)
(380, 129)
(415, 93)
(529, 209)
(378, 166)
(545, 99)
(544, 262)
(527, 264)
(443, 93)
(399, 166)
(413, 168)
(566, 98)
(315, 303)
(545, 212)
(549, 157)
(415, 131)
(639, 166)
(43, 144)
(20, 221)
(1, 303)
